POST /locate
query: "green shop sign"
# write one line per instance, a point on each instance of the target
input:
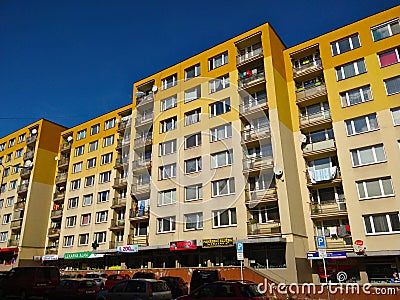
(77, 255)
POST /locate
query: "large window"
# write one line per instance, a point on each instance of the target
(193, 192)
(193, 93)
(6, 218)
(91, 163)
(166, 224)
(77, 167)
(169, 81)
(224, 218)
(167, 147)
(356, 96)
(103, 196)
(194, 221)
(10, 201)
(362, 124)
(220, 107)
(93, 146)
(221, 159)
(79, 150)
(219, 83)
(218, 61)
(3, 236)
(94, 129)
(81, 135)
(351, 69)
(106, 158)
(193, 140)
(70, 221)
(375, 188)
(101, 216)
(105, 177)
(108, 140)
(220, 132)
(193, 165)
(109, 124)
(83, 239)
(100, 237)
(75, 184)
(89, 181)
(87, 200)
(168, 103)
(223, 187)
(368, 155)
(167, 197)
(168, 124)
(68, 241)
(73, 202)
(382, 223)
(346, 44)
(192, 72)
(389, 57)
(192, 116)
(167, 171)
(85, 219)
(396, 115)
(385, 30)
(392, 85)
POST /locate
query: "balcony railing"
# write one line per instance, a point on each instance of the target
(124, 125)
(64, 161)
(143, 140)
(139, 213)
(139, 189)
(16, 223)
(123, 143)
(13, 243)
(253, 106)
(31, 139)
(117, 224)
(120, 161)
(29, 155)
(144, 119)
(51, 250)
(115, 244)
(118, 182)
(330, 174)
(251, 134)
(254, 197)
(307, 68)
(319, 147)
(58, 196)
(338, 243)
(65, 146)
(23, 188)
(20, 205)
(303, 94)
(61, 177)
(141, 164)
(251, 80)
(249, 56)
(328, 208)
(144, 100)
(118, 202)
(264, 229)
(257, 163)
(317, 118)
(142, 240)
(56, 213)
(52, 232)
(25, 172)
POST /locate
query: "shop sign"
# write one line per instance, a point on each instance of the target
(328, 255)
(49, 257)
(221, 242)
(77, 255)
(359, 246)
(128, 249)
(96, 255)
(183, 245)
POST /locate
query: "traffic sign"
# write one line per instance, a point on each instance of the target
(240, 255)
(321, 243)
(329, 255)
(322, 253)
(239, 247)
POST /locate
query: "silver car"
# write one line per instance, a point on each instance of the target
(137, 289)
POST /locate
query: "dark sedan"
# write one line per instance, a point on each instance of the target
(82, 289)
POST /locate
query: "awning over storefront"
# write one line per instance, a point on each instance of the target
(15, 250)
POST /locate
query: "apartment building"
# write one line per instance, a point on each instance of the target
(28, 167)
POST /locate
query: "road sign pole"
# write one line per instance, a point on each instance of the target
(241, 270)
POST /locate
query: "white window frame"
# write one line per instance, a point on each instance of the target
(345, 97)
(335, 45)
(13, 185)
(108, 141)
(95, 129)
(169, 81)
(388, 223)
(108, 124)
(84, 236)
(70, 222)
(3, 146)
(229, 182)
(3, 236)
(77, 167)
(84, 217)
(227, 128)
(68, 241)
(89, 180)
(163, 170)
(10, 201)
(388, 28)
(106, 158)
(79, 150)
(11, 143)
(87, 200)
(396, 115)
(21, 138)
(396, 52)
(198, 190)
(164, 124)
(6, 219)
(105, 177)
(169, 103)
(367, 121)
(93, 146)
(172, 224)
(213, 61)
(91, 163)
(196, 69)
(196, 91)
(164, 200)
(226, 107)
(75, 184)
(198, 165)
(81, 134)
(373, 149)
(397, 78)
(341, 69)
(198, 221)
(100, 237)
(103, 196)
(101, 216)
(73, 202)
(216, 217)
(197, 137)
(193, 116)
(227, 155)
(19, 152)
(166, 146)
(363, 184)
(219, 84)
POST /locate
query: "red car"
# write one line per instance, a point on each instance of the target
(113, 279)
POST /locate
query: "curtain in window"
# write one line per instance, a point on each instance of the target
(393, 85)
(380, 223)
(388, 58)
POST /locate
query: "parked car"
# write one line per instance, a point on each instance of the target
(199, 277)
(144, 275)
(29, 281)
(137, 289)
(113, 279)
(79, 289)
(177, 285)
(240, 290)
(100, 278)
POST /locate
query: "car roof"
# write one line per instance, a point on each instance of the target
(144, 279)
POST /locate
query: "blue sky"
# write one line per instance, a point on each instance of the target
(70, 61)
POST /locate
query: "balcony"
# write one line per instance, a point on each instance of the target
(23, 188)
(51, 250)
(323, 176)
(124, 125)
(58, 196)
(31, 139)
(120, 182)
(117, 224)
(141, 240)
(25, 172)
(321, 147)
(65, 146)
(144, 100)
(249, 57)
(139, 214)
(310, 120)
(63, 162)
(56, 214)
(13, 243)
(250, 81)
(255, 197)
(118, 202)
(53, 232)
(338, 243)
(307, 67)
(255, 134)
(60, 178)
(115, 244)
(258, 230)
(257, 163)
(313, 92)
(120, 162)
(141, 164)
(140, 189)
(19, 205)
(122, 143)
(328, 208)
(144, 119)
(16, 224)
(29, 155)
(143, 140)
(254, 106)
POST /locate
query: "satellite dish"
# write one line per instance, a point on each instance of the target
(69, 138)
(139, 94)
(154, 88)
(34, 131)
(28, 164)
(302, 138)
(278, 171)
(56, 158)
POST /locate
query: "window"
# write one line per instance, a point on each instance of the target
(11, 143)
(193, 140)
(13, 185)
(109, 124)
(91, 163)
(384, 223)
(396, 115)
(167, 197)
(193, 165)
(68, 241)
(73, 202)
(81, 134)
(105, 177)
(368, 155)
(70, 221)
(94, 129)
(193, 93)
(385, 30)
(169, 81)
(220, 107)
(192, 116)
(85, 219)
(75, 184)
(351, 69)
(108, 140)
(168, 124)
(219, 83)
(87, 200)
(218, 61)
(166, 224)
(221, 132)
(193, 192)
(9, 157)
(101, 216)
(194, 221)
(106, 158)
(79, 150)
(392, 85)
(19, 152)
(1, 203)
(167, 147)
(15, 168)
(100, 237)
(3, 188)
(389, 57)
(6, 172)
(93, 146)
(103, 196)
(346, 44)
(10, 201)
(21, 138)
(356, 96)
(83, 239)
(2, 146)
(223, 218)
(6, 218)
(223, 187)
(89, 181)
(221, 159)
(77, 167)
(375, 188)
(3, 236)
(168, 103)
(362, 124)
(192, 72)
(167, 171)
